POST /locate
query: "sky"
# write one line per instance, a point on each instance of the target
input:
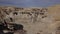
(29, 3)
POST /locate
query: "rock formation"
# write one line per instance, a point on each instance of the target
(34, 20)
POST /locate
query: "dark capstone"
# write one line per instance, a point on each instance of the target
(1, 26)
(58, 28)
(34, 9)
(21, 8)
(41, 13)
(11, 19)
(44, 16)
(18, 27)
(17, 9)
(15, 13)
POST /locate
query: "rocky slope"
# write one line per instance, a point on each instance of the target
(34, 20)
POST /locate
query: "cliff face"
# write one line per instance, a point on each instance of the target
(34, 20)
